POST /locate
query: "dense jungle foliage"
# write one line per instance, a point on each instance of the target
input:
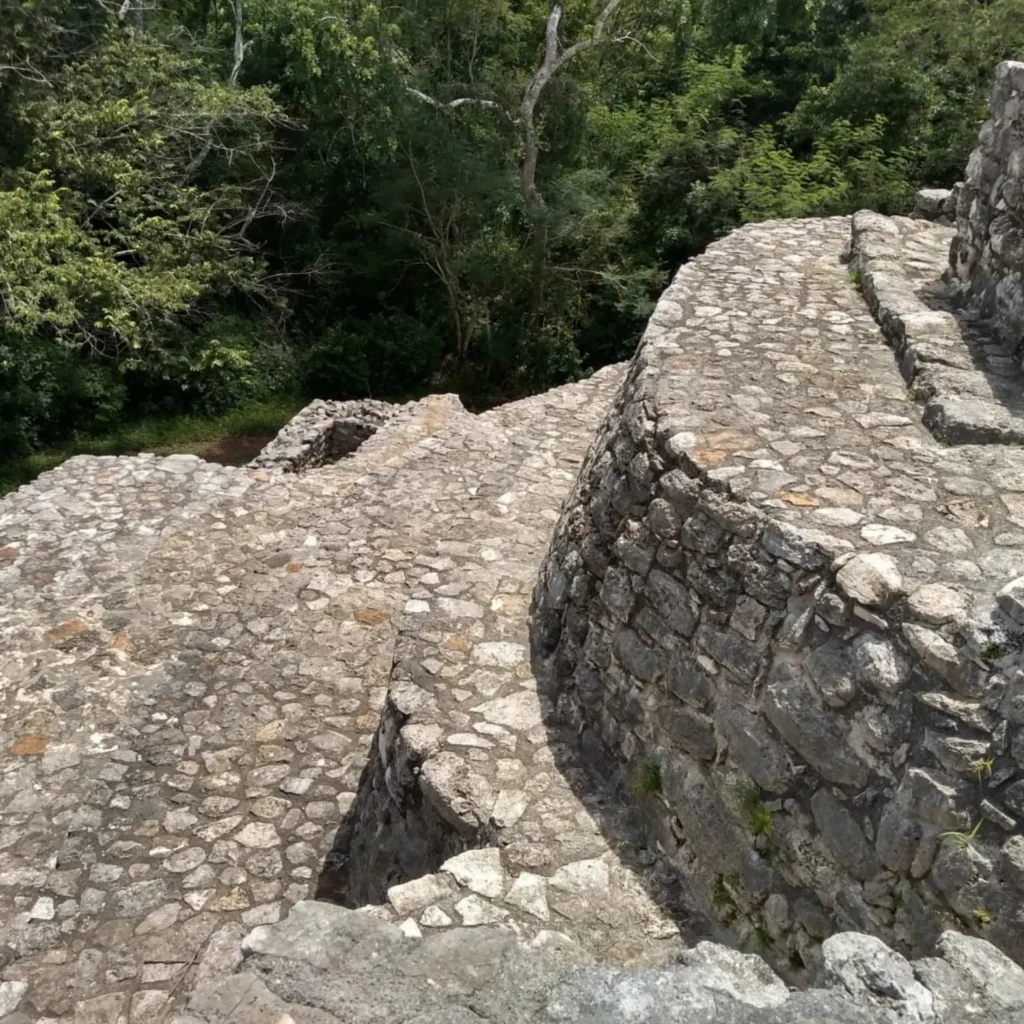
(207, 203)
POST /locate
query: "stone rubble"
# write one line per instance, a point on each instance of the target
(327, 965)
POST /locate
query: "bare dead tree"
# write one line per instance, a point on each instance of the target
(240, 46)
(555, 58)
(240, 49)
(133, 13)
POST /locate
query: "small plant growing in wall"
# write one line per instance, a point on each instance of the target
(758, 818)
(990, 651)
(981, 916)
(649, 780)
(982, 769)
(721, 898)
(964, 839)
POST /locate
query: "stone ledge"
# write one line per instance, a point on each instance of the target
(323, 432)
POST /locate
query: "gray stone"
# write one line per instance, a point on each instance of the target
(941, 656)
(11, 994)
(751, 744)
(746, 978)
(802, 547)
(833, 673)
(793, 707)
(871, 579)
(879, 664)
(731, 651)
(672, 602)
(478, 870)
(843, 836)
(409, 897)
(937, 604)
(872, 973)
(973, 981)
(1011, 599)
(1013, 860)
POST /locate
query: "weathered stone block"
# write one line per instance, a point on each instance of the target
(752, 746)
(843, 836)
(645, 663)
(687, 680)
(739, 656)
(794, 708)
(672, 602)
(832, 670)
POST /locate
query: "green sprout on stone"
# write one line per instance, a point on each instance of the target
(964, 839)
(721, 898)
(990, 651)
(734, 881)
(855, 277)
(763, 937)
(758, 818)
(982, 767)
(982, 916)
(649, 781)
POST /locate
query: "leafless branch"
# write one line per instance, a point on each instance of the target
(464, 101)
(554, 58)
(27, 71)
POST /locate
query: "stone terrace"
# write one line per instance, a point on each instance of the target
(195, 660)
(204, 669)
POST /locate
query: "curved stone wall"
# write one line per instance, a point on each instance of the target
(770, 594)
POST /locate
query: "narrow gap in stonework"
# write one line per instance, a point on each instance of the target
(392, 834)
(346, 438)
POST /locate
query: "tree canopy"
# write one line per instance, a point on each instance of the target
(210, 201)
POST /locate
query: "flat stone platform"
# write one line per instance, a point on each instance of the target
(194, 662)
(784, 391)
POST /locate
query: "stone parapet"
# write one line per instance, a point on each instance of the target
(771, 596)
(937, 205)
(987, 256)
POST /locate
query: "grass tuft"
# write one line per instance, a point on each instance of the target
(649, 781)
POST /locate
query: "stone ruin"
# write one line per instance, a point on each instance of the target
(692, 691)
(323, 432)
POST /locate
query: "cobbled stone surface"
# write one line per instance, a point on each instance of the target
(195, 661)
(724, 642)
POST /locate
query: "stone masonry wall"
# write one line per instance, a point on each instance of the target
(987, 256)
(322, 432)
(818, 744)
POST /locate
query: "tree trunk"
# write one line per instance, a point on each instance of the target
(554, 59)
